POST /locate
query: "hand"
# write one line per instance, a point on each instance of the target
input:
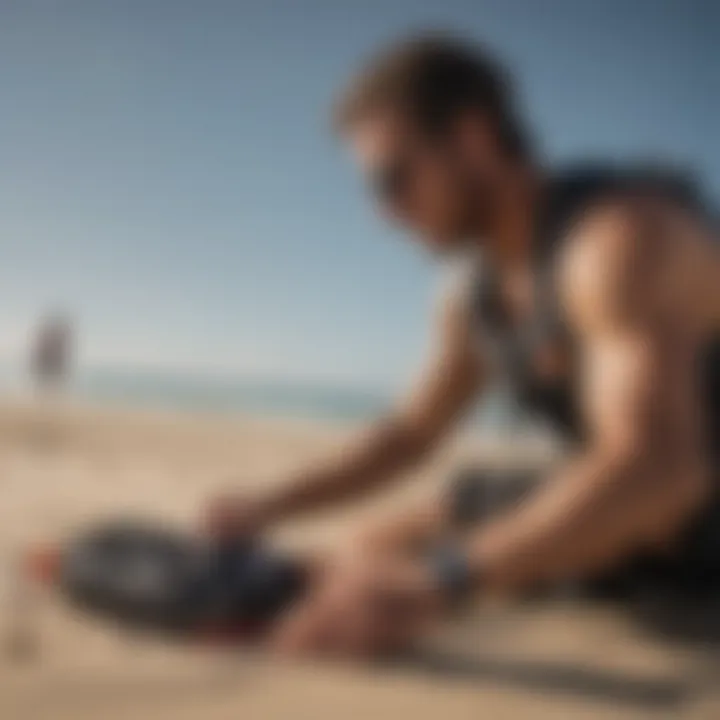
(230, 517)
(366, 606)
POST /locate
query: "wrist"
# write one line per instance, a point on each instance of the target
(269, 508)
(455, 575)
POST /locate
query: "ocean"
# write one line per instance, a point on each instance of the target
(206, 393)
(170, 390)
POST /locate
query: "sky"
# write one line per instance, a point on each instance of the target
(167, 174)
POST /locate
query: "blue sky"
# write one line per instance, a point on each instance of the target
(167, 173)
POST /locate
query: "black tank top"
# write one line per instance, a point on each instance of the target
(554, 395)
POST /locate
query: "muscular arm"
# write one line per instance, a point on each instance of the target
(644, 472)
(445, 389)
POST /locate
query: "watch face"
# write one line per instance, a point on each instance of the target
(451, 567)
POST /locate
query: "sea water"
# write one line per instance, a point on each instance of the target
(275, 397)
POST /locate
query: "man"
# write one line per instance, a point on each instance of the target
(51, 355)
(596, 292)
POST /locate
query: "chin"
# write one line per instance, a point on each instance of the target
(436, 246)
(443, 252)
(446, 245)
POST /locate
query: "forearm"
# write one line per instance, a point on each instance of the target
(596, 511)
(375, 459)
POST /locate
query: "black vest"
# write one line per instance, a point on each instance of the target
(518, 349)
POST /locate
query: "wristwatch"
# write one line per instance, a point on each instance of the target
(453, 573)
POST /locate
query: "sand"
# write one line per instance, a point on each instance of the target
(66, 466)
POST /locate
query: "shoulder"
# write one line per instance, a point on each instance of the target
(615, 263)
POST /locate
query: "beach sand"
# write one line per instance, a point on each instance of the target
(67, 466)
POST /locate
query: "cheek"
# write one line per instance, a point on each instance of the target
(440, 199)
(432, 203)
(431, 191)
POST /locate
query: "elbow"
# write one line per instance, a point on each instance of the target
(663, 487)
(679, 469)
(669, 463)
(684, 481)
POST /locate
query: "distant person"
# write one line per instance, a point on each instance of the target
(52, 353)
(594, 290)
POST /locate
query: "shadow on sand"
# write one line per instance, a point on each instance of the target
(680, 625)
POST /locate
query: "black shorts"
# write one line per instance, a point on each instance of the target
(693, 569)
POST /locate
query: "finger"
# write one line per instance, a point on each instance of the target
(306, 629)
(358, 624)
